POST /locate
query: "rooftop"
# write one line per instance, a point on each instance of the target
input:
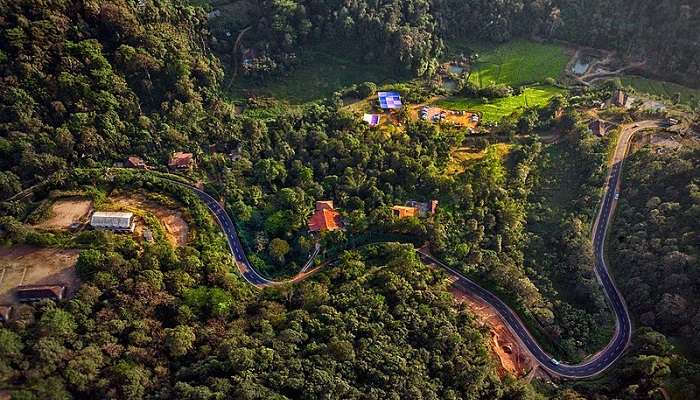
(109, 214)
(325, 218)
(180, 159)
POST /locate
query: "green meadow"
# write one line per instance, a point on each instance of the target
(661, 88)
(496, 109)
(517, 63)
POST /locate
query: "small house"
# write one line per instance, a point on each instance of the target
(113, 221)
(5, 312)
(29, 293)
(181, 161)
(598, 127)
(325, 218)
(402, 212)
(135, 162)
(389, 100)
(619, 98)
(424, 209)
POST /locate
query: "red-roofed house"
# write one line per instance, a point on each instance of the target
(135, 162)
(181, 160)
(326, 218)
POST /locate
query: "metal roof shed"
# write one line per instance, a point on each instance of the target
(115, 221)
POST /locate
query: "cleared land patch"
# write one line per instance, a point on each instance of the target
(321, 72)
(172, 222)
(66, 212)
(27, 265)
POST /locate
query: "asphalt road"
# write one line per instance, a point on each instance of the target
(592, 366)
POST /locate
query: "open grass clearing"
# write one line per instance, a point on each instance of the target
(515, 63)
(463, 157)
(661, 88)
(496, 109)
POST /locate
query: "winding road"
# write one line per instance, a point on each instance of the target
(592, 366)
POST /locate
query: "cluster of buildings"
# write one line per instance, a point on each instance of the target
(327, 219)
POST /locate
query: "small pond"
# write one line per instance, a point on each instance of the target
(455, 69)
(581, 65)
(449, 85)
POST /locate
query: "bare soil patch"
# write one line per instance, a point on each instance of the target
(505, 347)
(66, 212)
(176, 229)
(27, 265)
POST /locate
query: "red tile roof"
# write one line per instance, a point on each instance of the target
(324, 205)
(325, 218)
(404, 212)
(180, 160)
(135, 162)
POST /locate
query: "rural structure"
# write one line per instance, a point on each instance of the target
(113, 221)
(181, 161)
(325, 218)
(30, 293)
(135, 162)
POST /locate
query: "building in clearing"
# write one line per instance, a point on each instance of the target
(415, 209)
(325, 218)
(113, 221)
(29, 293)
(598, 128)
(135, 162)
(181, 161)
(619, 99)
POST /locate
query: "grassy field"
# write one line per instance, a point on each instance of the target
(517, 63)
(495, 110)
(463, 157)
(320, 73)
(661, 88)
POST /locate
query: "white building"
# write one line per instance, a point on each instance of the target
(114, 221)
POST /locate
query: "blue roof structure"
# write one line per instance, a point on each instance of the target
(389, 100)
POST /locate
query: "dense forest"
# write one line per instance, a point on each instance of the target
(85, 83)
(410, 33)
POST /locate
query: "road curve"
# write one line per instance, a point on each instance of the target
(592, 366)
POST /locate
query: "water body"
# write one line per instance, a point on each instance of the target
(449, 85)
(581, 65)
(455, 69)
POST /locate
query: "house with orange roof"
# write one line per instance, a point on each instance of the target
(401, 212)
(325, 218)
(415, 209)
